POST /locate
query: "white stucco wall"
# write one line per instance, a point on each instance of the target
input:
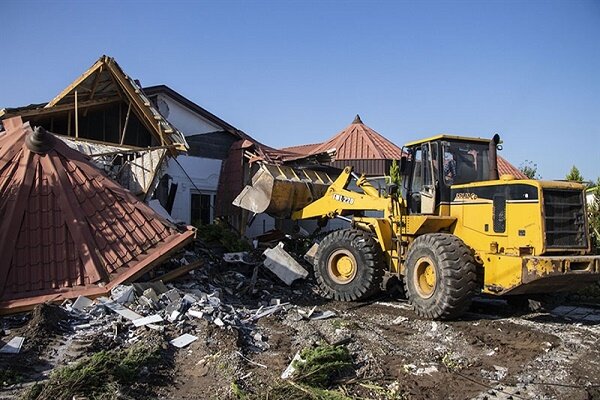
(203, 172)
(183, 118)
(261, 224)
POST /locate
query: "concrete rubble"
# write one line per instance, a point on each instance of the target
(13, 346)
(283, 265)
(178, 307)
(235, 319)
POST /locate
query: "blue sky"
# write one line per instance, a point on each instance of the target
(291, 72)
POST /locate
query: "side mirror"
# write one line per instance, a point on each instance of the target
(392, 190)
(403, 165)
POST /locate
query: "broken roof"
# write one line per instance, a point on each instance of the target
(103, 83)
(67, 229)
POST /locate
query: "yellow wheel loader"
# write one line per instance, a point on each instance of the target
(454, 229)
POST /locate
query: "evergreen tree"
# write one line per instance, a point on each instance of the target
(574, 175)
(395, 177)
(594, 214)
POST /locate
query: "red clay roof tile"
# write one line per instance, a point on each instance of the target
(506, 168)
(68, 229)
(356, 142)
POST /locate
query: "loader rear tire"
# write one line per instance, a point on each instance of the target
(349, 265)
(440, 276)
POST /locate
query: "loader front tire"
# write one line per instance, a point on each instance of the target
(349, 265)
(440, 276)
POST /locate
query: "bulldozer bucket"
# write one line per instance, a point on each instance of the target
(280, 190)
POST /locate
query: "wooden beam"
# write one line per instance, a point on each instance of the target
(76, 82)
(138, 150)
(65, 107)
(147, 118)
(179, 271)
(76, 117)
(69, 124)
(125, 126)
(93, 89)
(95, 84)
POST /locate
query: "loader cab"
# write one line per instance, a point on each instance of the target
(434, 165)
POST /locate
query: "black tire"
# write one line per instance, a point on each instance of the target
(440, 276)
(355, 247)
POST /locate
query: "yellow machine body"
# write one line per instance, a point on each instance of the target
(524, 236)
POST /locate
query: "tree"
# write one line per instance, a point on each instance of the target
(594, 215)
(574, 175)
(529, 169)
(395, 176)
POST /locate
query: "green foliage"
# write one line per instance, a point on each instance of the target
(219, 233)
(9, 377)
(530, 169)
(320, 365)
(594, 216)
(295, 391)
(97, 377)
(574, 175)
(395, 176)
(314, 373)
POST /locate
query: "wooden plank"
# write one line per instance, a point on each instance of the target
(95, 84)
(125, 126)
(76, 82)
(179, 271)
(66, 107)
(76, 117)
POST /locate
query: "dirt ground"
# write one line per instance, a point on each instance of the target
(493, 352)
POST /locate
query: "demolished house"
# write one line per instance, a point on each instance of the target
(153, 141)
(68, 229)
(105, 114)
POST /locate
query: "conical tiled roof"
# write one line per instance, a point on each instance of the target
(67, 229)
(359, 142)
(506, 168)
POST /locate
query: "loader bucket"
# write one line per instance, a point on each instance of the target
(280, 190)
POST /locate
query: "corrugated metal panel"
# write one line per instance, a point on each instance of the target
(67, 229)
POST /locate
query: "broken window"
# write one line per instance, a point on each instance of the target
(201, 209)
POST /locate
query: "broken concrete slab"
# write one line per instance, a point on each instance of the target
(119, 309)
(311, 254)
(171, 295)
(234, 258)
(159, 287)
(190, 298)
(81, 303)
(195, 313)
(122, 294)
(183, 340)
(13, 346)
(151, 295)
(283, 265)
(151, 319)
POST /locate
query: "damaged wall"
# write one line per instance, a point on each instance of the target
(195, 175)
